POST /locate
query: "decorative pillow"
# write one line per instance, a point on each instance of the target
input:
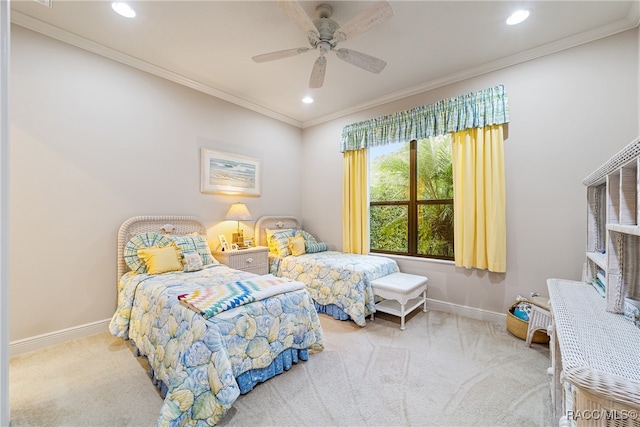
(198, 243)
(161, 259)
(280, 241)
(296, 245)
(307, 237)
(192, 261)
(140, 241)
(312, 248)
(270, 242)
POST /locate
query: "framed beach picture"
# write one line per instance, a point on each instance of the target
(227, 173)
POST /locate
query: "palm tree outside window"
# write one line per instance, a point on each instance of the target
(477, 125)
(411, 198)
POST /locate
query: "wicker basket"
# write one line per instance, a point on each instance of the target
(519, 327)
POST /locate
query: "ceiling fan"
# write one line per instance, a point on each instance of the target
(324, 34)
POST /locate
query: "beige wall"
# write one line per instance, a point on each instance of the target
(4, 197)
(94, 142)
(570, 112)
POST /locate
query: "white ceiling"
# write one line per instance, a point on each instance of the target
(208, 45)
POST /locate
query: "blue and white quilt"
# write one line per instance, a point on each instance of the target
(204, 362)
(337, 278)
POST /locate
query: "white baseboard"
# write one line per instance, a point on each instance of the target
(462, 310)
(57, 337)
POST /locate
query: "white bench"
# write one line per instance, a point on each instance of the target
(402, 294)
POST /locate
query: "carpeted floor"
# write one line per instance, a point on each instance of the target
(443, 370)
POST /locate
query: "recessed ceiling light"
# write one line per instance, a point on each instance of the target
(517, 17)
(123, 9)
(307, 100)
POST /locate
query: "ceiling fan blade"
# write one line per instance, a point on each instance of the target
(362, 60)
(375, 15)
(280, 54)
(317, 74)
(296, 13)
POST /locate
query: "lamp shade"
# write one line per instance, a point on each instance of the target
(238, 212)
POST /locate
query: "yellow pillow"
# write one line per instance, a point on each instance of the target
(296, 245)
(161, 259)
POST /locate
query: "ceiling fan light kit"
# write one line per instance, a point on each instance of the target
(324, 34)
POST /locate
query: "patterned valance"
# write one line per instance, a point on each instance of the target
(473, 110)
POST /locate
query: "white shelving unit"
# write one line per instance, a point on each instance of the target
(595, 361)
(613, 218)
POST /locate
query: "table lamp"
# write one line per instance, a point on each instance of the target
(238, 212)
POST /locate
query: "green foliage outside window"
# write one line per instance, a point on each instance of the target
(389, 228)
(393, 210)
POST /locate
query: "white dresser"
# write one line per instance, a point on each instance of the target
(254, 260)
(595, 359)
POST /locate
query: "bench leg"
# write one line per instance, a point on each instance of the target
(424, 297)
(402, 328)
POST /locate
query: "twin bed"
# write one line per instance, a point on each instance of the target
(339, 283)
(212, 332)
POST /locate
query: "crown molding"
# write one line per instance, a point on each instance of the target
(631, 21)
(83, 43)
(634, 13)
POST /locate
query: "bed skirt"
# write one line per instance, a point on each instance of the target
(332, 310)
(283, 362)
(247, 380)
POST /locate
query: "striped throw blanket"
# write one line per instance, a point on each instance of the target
(212, 300)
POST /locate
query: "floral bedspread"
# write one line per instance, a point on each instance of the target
(198, 359)
(338, 278)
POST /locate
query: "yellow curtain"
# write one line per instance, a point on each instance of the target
(355, 210)
(479, 199)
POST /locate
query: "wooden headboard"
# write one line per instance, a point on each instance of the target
(165, 224)
(273, 223)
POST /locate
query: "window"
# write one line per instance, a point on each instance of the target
(411, 198)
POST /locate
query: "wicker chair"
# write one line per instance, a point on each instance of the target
(539, 320)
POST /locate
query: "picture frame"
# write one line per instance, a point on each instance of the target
(227, 173)
(223, 242)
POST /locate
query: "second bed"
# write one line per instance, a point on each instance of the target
(339, 283)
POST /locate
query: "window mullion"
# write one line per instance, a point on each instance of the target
(412, 210)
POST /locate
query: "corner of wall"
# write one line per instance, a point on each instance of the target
(5, 25)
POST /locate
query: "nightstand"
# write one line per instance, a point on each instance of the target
(254, 260)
